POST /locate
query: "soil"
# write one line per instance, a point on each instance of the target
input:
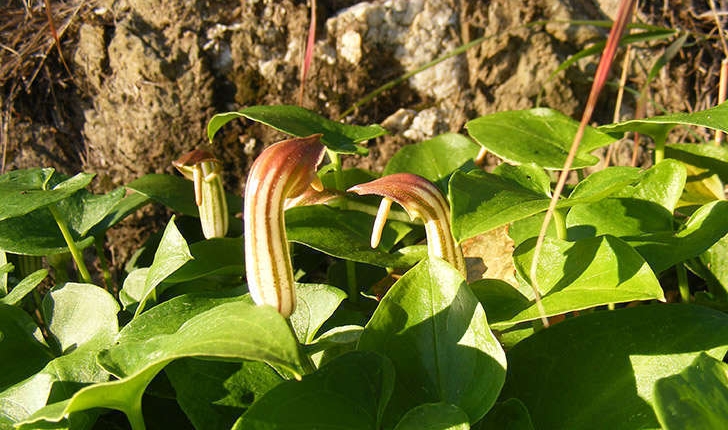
(137, 80)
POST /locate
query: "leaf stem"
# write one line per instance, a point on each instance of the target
(351, 284)
(306, 362)
(659, 148)
(106, 273)
(75, 252)
(560, 224)
(682, 283)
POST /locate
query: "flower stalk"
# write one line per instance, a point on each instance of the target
(420, 198)
(282, 172)
(203, 170)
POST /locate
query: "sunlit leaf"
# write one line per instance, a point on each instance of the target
(435, 332)
(657, 127)
(171, 254)
(574, 276)
(300, 122)
(482, 201)
(23, 191)
(542, 136)
(230, 330)
(314, 305)
(82, 318)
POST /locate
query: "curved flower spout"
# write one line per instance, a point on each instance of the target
(282, 171)
(421, 199)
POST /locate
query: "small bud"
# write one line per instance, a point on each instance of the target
(203, 170)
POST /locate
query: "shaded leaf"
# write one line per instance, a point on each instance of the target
(511, 414)
(702, 230)
(716, 260)
(217, 256)
(123, 208)
(709, 157)
(35, 233)
(214, 394)
(24, 287)
(174, 192)
(348, 393)
(435, 159)
(346, 234)
(605, 364)
(315, 303)
(17, 340)
(434, 416)
(696, 398)
(233, 330)
(84, 210)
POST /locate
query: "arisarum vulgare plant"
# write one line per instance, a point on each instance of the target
(203, 169)
(283, 171)
(421, 199)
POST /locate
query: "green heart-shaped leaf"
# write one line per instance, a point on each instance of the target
(542, 136)
(300, 122)
(432, 327)
(435, 159)
(23, 191)
(573, 276)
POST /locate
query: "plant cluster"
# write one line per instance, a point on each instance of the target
(345, 328)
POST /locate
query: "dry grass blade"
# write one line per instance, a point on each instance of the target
(722, 86)
(624, 15)
(26, 38)
(308, 56)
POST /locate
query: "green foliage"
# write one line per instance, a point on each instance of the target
(299, 122)
(695, 398)
(388, 337)
(606, 364)
(541, 136)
